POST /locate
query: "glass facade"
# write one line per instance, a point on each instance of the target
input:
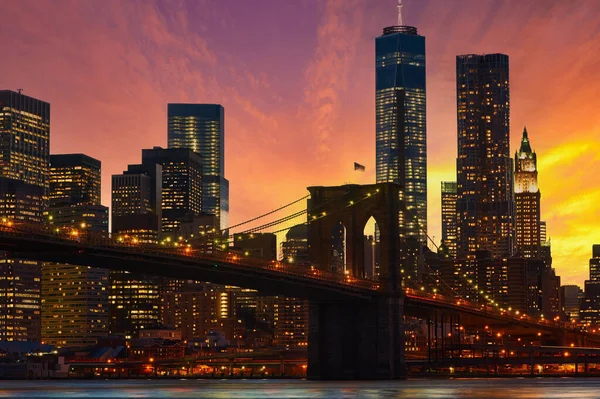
(201, 128)
(401, 132)
(485, 203)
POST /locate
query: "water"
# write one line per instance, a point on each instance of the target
(546, 388)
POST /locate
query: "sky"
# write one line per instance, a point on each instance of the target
(296, 78)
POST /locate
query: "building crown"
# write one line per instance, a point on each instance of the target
(525, 146)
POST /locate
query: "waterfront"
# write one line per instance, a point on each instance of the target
(546, 388)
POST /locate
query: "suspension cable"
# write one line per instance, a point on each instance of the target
(267, 214)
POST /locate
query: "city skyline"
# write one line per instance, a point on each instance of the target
(339, 107)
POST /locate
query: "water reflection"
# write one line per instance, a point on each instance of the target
(563, 388)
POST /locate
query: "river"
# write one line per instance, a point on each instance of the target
(514, 388)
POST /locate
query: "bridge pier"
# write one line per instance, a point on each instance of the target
(361, 340)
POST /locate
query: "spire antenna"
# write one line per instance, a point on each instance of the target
(400, 13)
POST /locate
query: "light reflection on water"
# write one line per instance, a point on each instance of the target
(563, 388)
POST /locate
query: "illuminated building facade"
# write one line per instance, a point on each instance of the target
(134, 302)
(485, 201)
(181, 184)
(449, 217)
(590, 307)
(527, 200)
(290, 315)
(21, 201)
(201, 128)
(20, 302)
(74, 305)
(569, 301)
(401, 133)
(24, 138)
(24, 157)
(136, 203)
(134, 298)
(74, 180)
(75, 298)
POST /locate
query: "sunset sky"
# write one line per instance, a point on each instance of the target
(296, 78)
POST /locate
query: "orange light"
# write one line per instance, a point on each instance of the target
(151, 359)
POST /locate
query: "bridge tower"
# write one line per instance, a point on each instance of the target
(362, 339)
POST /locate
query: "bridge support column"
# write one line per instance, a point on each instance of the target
(361, 340)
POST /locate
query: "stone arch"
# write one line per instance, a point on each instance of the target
(354, 205)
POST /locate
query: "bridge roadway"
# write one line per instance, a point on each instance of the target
(61, 245)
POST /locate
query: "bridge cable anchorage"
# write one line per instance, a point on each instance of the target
(266, 214)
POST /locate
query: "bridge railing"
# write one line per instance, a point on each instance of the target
(95, 240)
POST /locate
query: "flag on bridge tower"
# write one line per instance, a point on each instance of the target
(359, 167)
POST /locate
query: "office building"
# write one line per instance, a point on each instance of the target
(74, 180)
(401, 133)
(74, 305)
(20, 303)
(134, 298)
(590, 306)
(290, 315)
(75, 298)
(24, 157)
(527, 201)
(134, 302)
(181, 184)
(485, 200)
(449, 217)
(569, 301)
(24, 138)
(201, 128)
(21, 201)
(136, 203)
(595, 263)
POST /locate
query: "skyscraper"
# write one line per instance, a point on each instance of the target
(595, 263)
(136, 217)
(24, 138)
(24, 153)
(527, 201)
(485, 201)
(136, 202)
(20, 304)
(75, 298)
(449, 216)
(181, 184)
(201, 128)
(74, 180)
(400, 113)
